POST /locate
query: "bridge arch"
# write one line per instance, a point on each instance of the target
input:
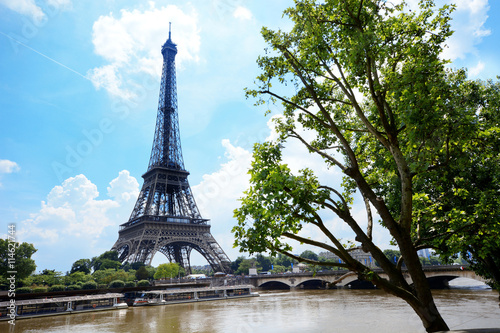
(440, 281)
(360, 284)
(273, 285)
(313, 284)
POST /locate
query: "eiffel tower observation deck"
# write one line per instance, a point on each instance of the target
(166, 218)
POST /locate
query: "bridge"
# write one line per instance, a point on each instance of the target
(438, 277)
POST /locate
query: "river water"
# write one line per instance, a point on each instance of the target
(340, 310)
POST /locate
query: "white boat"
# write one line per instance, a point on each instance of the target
(29, 308)
(163, 297)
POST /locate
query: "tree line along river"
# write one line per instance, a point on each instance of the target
(340, 310)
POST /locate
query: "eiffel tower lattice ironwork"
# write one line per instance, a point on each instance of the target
(165, 218)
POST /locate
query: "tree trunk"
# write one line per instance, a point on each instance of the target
(431, 318)
(424, 307)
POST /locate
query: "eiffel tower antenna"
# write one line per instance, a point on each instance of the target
(166, 218)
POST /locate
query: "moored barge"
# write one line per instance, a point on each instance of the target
(174, 296)
(30, 308)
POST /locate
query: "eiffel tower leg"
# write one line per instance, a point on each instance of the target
(123, 249)
(216, 256)
(155, 249)
(178, 255)
(137, 248)
(186, 251)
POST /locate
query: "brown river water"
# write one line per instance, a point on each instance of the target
(341, 310)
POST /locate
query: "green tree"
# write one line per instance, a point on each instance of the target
(328, 261)
(182, 272)
(457, 204)
(245, 265)
(278, 269)
(49, 277)
(367, 81)
(263, 262)
(57, 287)
(108, 259)
(21, 253)
(107, 263)
(24, 290)
(81, 265)
(283, 260)
(89, 285)
(136, 265)
(308, 254)
(116, 284)
(235, 264)
(74, 287)
(105, 276)
(76, 277)
(143, 283)
(142, 273)
(169, 270)
(151, 271)
(392, 255)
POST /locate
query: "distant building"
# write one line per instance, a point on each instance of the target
(425, 253)
(357, 253)
(300, 267)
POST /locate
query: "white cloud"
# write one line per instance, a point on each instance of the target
(469, 25)
(218, 193)
(74, 223)
(124, 187)
(476, 70)
(242, 13)
(226, 184)
(474, 6)
(31, 9)
(73, 209)
(63, 4)
(131, 42)
(25, 7)
(107, 77)
(75, 191)
(7, 166)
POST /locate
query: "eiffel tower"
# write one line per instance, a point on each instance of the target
(165, 218)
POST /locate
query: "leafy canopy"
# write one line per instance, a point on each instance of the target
(170, 270)
(366, 80)
(19, 256)
(457, 205)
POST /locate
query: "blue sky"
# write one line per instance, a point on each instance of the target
(79, 85)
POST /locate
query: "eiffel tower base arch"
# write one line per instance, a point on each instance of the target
(140, 243)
